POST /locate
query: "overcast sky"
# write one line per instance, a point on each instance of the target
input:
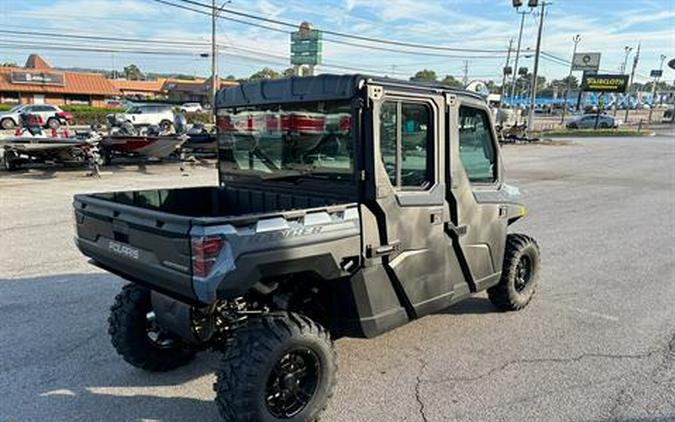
(606, 26)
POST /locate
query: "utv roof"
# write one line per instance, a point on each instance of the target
(317, 88)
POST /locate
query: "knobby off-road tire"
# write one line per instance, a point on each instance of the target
(129, 333)
(520, 274)
(256, 381)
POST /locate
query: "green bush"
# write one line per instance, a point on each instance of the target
(86, 108)
(5, 107)
(198, 117)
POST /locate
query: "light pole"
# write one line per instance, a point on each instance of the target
(625, 60)
(504, 75)
(576, 39)
(533, 98)
(656, 81)
(518, 4)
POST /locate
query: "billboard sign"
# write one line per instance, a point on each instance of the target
(586, 61)
(604, 83)
(37, 78)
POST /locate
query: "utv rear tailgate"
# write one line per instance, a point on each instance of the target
(146, 246)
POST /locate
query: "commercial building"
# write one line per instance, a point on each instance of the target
(38, 83)
(140, 90)
(198, 90)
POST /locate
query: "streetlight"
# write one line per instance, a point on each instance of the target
(625, 60)
(576, 39)
(533, 98)
(517, 4)
(656, 81)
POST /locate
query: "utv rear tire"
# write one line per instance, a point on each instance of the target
(129, 334)
(275, 360)
(520, 274)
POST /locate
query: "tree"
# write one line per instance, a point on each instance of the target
(230, 78)
(133, 73)
(289, 72)
(265, 73)
(452, 82)
(8, 64)
(425, 75)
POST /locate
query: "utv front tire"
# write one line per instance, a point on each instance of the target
(137, 339)
(520, 274)
(280, 366)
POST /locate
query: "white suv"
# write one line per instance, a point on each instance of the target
(49, 115)
(191, 108)
(149, 114)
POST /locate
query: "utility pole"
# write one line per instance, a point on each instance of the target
(214, 59)
(465, 79)
(625, 60)
(501, 97)
(636, 60)
(530, 118)
(656, 81)
(576, 39)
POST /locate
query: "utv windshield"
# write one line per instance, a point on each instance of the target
(287, 140)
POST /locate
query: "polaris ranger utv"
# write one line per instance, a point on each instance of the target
(346, 206)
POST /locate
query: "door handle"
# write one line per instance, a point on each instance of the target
(456, 230)
(384, 250)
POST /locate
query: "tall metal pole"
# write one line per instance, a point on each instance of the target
(625, 60)
(214, 60)
(656, 81)
(576, 39)
(501, 97)
(533, 98)
(465, 78)
(515, 66)
(636, 60)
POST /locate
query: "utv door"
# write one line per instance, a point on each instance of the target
(478, 211)
(410, 197)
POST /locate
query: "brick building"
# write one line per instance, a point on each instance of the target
(37, 83)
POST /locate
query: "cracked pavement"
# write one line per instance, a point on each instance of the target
(596, 344)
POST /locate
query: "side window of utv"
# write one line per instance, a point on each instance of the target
(405, 144)
(476, 149)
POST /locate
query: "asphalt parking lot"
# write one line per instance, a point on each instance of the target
(596, 344)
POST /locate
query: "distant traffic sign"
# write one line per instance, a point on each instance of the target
(604, 83)
(656, 73)
(586, 61)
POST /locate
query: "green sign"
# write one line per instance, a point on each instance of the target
(604, 83)
(306, 46)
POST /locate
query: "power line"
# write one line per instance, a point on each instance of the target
(338, 34)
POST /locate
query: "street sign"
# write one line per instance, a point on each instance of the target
(508, 70)
(604, 83)
(523, 71)
(586, 61)
(656, 73)
(306, 45)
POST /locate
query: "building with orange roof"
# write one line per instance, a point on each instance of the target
(197, 90)
(37, 83)
(140, 89)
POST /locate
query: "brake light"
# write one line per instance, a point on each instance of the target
(205, 251)
(65, 115)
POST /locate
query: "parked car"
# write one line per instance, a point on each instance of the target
(587, 121)
(161, 115)
(49, 115)
(191, 108)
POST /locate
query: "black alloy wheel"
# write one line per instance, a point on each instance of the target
(292, 383)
